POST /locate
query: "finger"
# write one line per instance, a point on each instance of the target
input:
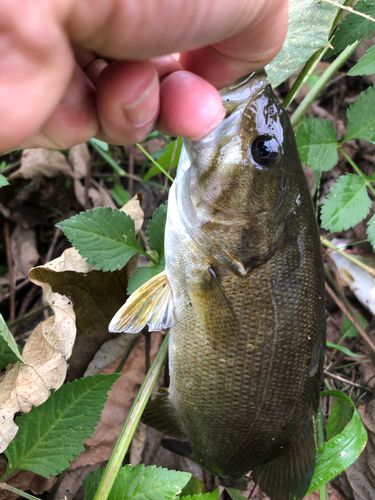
(73, 121)
(189, 106)
(127, 96)
(34, 70)
(180, 26)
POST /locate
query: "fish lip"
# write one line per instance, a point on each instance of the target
(243, 91)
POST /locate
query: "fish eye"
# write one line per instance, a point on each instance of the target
(265, 150)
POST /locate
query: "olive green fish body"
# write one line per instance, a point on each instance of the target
(244, 274)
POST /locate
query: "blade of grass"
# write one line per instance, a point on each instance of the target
(348, 256)
(154, 162)
(131, 423)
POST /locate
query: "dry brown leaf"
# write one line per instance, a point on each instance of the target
(100, 197)
(133, 208)
(72, 482)
(96, 296)
(24, 250)
(42, 162)
(45, 353)
(100, 446)
(79, 158)
(137, 444)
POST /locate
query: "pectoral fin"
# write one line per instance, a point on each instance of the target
(288, 475)
(213, 308)
(161, 414)
(151, 304)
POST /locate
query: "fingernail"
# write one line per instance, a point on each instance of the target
(76, 90)
(214, 125)
(144, 109)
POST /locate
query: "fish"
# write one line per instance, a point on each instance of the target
(243, 295)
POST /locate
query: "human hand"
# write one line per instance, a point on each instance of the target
(57, 90)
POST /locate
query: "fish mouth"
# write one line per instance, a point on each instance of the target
(243, 90)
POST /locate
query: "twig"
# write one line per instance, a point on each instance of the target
(12, 489)
(348, 256)
(350, 9)
(131, 171)
(19, 286)
(12, 278)
(56, 235)
(87, 183)
(28, 315)
(345, 310)
(342, 379)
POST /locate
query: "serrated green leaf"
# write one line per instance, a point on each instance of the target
(156, 229)
(3, 181)
(344, 349)
(317, 144)
(7, 356)
(193, 487)
(347, 203)
(207, 496)
(105, 237)
(143, 274)
(338, 453)
(353, 27)
(371, 230)
(361, 117)
(339, 416)
(8, 338)
(309, 26)
(168, 158)
(140, 483)
(235, 494)
(366, 65)
(52, 434)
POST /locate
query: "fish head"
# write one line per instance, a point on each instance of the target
(245, 178)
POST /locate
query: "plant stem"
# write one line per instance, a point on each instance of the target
(12, 489)
(154, 162)
(28, 315)
(320, 438)
(131, 423)
(348, 256)
(322, 82)
(120, 170)
(357, 169)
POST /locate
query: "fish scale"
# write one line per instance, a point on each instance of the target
(246, 308)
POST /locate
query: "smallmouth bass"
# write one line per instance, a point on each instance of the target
(243, 293)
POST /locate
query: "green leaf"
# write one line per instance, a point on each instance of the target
(193, 487)
(156, 229)
(140, 483)
(344, 349)
(353, 27)
(361, 117)
(309, 26)
(348, 330)
(105, 237)
(120, 195)
(143, 274)
(338, 453)
(52, 434)
(169, 158)
(103, 145)
(8, 338)
(347, 203)
(207, 496)
(317, 144)
(371, 230)
(366, 65)
(3, 181)
(235, 494)
(339, 416)
(7, 356)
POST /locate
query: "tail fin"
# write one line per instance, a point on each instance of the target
(288, 475)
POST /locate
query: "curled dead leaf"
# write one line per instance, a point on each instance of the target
(42, 162)
(23, 386)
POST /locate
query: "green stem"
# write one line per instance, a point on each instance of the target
(154, 162)
(322, 489)
(322, 82)
(120, 170)
(311, 64)
(348, 256)
(131, 423)
(358, 170)
(12, 489)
